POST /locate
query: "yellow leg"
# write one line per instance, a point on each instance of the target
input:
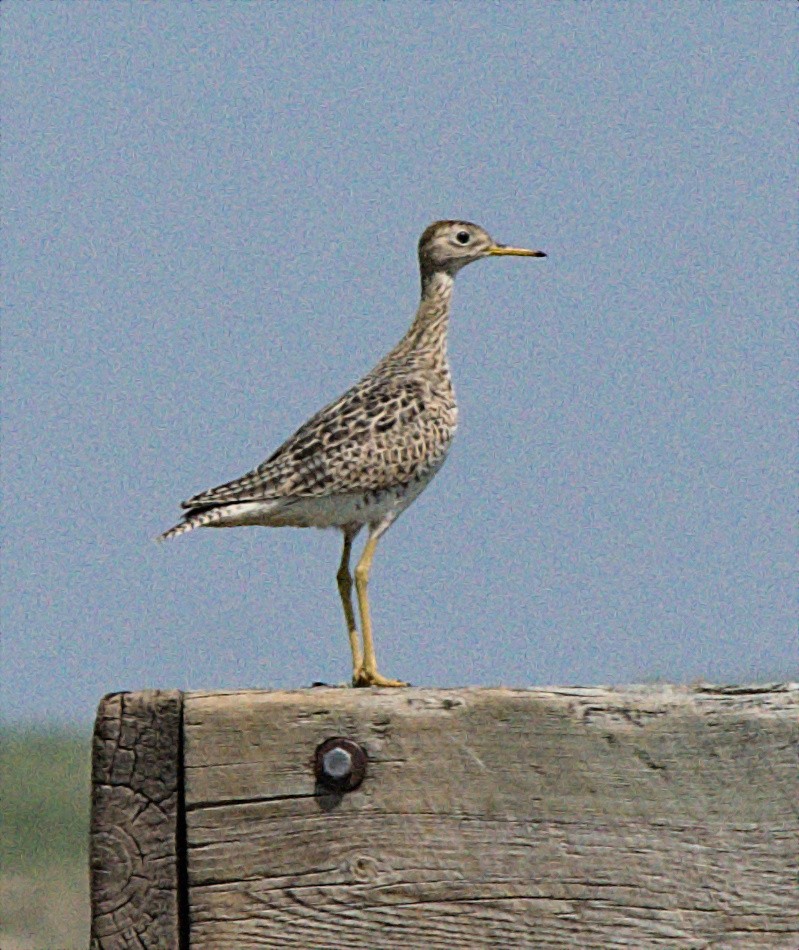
(367, 675)
(344, 581)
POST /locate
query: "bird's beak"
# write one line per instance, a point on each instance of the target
(503, 249)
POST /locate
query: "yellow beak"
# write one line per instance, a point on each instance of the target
(503, 249)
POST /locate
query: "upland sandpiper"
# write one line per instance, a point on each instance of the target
(363, 459)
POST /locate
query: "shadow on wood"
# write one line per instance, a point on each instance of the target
(658, 816)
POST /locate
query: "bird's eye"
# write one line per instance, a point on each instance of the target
(462, 237)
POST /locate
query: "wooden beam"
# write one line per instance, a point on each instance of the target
(136, 849)
(590, 818)
(568, 818)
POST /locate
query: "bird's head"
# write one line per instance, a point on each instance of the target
(449, 245)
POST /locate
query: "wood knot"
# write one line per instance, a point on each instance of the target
(364, 869)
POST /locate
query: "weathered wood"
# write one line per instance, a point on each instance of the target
(648, 817)
(136, 823)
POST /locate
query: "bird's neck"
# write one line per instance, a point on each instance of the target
(428, 332)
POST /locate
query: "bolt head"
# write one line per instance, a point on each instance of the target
(340, 764)
(337, 763)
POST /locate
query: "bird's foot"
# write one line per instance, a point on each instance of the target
(364, 677)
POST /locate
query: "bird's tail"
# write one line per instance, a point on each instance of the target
(194, 519)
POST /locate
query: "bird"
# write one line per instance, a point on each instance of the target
(363, 459)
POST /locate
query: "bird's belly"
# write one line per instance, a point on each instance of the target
(350, 508)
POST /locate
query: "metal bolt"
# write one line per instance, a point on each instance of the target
(340, 764)
(337, 763)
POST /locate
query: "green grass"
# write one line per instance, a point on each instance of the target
(44, 826)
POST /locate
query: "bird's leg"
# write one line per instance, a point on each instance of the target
(367, 675)
(344, 581)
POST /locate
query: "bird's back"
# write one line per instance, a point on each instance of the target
(387, 430)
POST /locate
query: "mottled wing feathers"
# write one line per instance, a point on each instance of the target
(380, 433)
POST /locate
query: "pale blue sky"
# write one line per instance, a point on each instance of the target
(211, 214)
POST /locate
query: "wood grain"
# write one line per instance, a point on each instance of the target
(136, 825)
(649, 817)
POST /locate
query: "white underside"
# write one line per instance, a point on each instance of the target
(327, 511)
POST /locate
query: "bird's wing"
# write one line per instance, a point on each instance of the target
(379, 433)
